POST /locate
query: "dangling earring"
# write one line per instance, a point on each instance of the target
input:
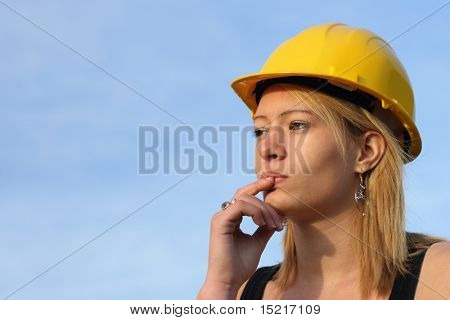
(360, 195)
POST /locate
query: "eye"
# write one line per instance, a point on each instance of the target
(258, 132)
(295, 125)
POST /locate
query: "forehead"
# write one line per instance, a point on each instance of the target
(277, 101)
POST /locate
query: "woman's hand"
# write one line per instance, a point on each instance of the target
(234, 255)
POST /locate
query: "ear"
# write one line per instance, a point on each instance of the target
(370, 149)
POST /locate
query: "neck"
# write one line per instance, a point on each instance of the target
(324, 249)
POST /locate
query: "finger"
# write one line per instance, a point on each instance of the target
(255, 187)
(243, 208)
(265, 211)
(277, 216)
(270, 214)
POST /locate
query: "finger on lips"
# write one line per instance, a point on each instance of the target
(257, 186)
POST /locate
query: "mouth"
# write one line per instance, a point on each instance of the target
(278, 178)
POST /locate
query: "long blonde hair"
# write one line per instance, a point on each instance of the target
(383, 247)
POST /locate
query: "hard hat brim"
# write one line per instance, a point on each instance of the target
(244, 87)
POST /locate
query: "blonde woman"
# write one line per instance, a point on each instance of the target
(333, 113)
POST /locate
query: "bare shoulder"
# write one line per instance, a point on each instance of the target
(434, 280)
(241, 289)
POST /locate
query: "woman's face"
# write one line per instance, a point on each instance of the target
(298, 145)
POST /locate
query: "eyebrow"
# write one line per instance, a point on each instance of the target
(287, 112)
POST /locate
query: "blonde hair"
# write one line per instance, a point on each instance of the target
(382, 249)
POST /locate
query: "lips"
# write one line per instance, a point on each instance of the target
(278, 180)
(278, 177)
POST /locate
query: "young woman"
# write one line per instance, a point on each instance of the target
(333, 112)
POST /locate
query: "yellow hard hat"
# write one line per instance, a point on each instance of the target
(351, 61)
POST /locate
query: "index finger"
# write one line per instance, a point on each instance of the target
(255, 187)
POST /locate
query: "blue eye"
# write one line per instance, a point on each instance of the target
(295, 125)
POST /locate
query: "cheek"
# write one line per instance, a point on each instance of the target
(318, 161)
(313, 155)
(317, 173)
(257, 160)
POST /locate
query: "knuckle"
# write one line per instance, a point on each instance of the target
(217, 216)
(239, 203)
(214, 217)
(239, 192)
(240, 197)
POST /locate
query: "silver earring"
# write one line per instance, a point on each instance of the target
(360, 195)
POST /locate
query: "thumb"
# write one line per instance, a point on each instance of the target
(262, 235)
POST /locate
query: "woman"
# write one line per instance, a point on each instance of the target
(333, 113)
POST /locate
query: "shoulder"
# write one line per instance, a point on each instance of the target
(434, 280)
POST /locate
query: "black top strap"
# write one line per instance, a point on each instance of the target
(404, 287)
(254, 289)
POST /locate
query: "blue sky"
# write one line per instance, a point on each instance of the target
(69, 132)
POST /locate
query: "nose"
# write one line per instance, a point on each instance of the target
(271, 146)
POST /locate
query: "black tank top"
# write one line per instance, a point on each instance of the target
(404, 287)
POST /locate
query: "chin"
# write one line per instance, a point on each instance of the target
(287, 206)
(277, 200)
